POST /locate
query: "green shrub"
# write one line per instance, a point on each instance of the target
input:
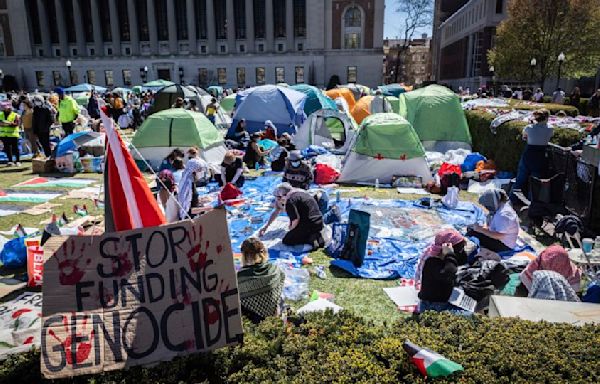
(344, 348)
(506, 146)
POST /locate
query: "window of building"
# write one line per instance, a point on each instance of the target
(52, 22)
(222, 48)
(299, 75)
(279, 18)
(57, 77)
(203, 49)
(74, 51)
(242, 48)
(86, 16)
(92, 51)
(108, 78)
(162, 24)
(241, 76)
(57, 52)
(74, 77)
(181, 19)
(222, 76)
(34, 21)
(280, 47)
(69, 21)
(104, 11)
(203, 77)
(499, 6)
(259, 19)
(91, 76)
(126, 77)
(141, 8)
(40, 52)
(279, 74)
(123, 15)
(261, 47)
(300, 18)
(300, 47)
(260, 76)
(200, 9)
(352, 74)
(352, 28)
(127, 51)
(239, 12)
(109, 51)
(40, 79)
(221, 19)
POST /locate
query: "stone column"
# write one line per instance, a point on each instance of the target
(230, 27)
(115, 31)
(152, 28)
(210, 27)
(191, 27)
(62, 29)
(289, 25)
(250, 26)
(45, 29)
(79, 32)
(172, 20)
(98, 43)
(134, 36)
(269, 20)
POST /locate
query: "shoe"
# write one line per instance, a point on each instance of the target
(10, 164)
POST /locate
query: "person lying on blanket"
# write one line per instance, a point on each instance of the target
(502, 229)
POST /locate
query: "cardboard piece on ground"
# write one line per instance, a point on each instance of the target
(20, 324)
(403, 296)
(138, 297)
(41, 209)
(83, 193)
(9, 285)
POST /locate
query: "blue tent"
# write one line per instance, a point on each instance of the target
(75, 140)
(392, 90)
(315, 99)
(215, 90)
(283, 106)
(85, 87)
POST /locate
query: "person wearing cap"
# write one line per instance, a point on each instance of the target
(41, 123)
(254, 154)
(297, 172)
(9, 132)
(232, 171)
(270, 131)
(68, 110)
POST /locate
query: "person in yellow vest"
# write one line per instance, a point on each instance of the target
(9, 133)
(68, 110)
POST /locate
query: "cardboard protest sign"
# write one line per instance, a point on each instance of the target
(20, 321)
(138, 297)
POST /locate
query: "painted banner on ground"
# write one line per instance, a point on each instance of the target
(20, 323)
(138, 297)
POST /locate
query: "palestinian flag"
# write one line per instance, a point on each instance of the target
(430, 364)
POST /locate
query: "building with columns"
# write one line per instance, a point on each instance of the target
(203, 42)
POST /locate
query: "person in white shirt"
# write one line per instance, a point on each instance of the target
(558, 97)
(538, 96)
(502, 229)
(378, 104)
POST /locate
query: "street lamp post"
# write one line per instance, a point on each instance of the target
(145, 73)
(532, 65)
(68, 63)
(492, 71)
(561, 60)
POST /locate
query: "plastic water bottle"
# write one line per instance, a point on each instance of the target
(337, 196)
(377, 183)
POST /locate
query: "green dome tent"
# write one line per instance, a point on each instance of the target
(315, 99)
(437, 117)
(174, 128)
(228, 103)
(167, 96)
(386, 145)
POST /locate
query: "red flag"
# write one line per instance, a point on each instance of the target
(132, 204)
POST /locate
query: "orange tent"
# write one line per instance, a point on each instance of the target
(362, 109)
(342, 92)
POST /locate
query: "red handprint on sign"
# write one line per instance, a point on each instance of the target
(83, 349)
(70, 272)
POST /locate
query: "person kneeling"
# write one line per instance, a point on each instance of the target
(306, 220)
(260, 283)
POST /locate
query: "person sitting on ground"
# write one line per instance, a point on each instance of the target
(278, 158)
(558, 97)
(187, 193)
(240, 138)
(436, 272)
(260, 283)
(554, 258)
(179, 103)
(166, 196)
(502, 228)
(205, 175)
(211, 110)
(178, 168)
(232, 171)
(254, 154)
(285, 140)
(306, 220)
(550, 285)
(270, 131)
(167, 162)
(538, 96)
(297, 172)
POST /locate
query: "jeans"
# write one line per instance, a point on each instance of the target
(330, 215)
(11, 148)
(533, 163)
(425, 305)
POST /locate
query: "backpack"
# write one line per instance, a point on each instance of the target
(357, 233)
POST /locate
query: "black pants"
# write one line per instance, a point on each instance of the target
(44, 139)
(11, 147)
(304, 234)
(239, 183)
(488, 242)
(68, 128)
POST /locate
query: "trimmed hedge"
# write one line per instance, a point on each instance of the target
(506, 146)
(344, 348)
(583, 104)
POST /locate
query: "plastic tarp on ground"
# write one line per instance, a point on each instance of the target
(177, 128)
(322, 128)
(283, 106)
(438, 118)
(315, 99)
(385, 145)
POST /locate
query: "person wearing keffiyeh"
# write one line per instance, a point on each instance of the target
(188, 197)
(554, 258)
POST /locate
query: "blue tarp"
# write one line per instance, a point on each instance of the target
(75, 140)
(85, 87)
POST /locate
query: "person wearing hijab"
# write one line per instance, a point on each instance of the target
(166, 196)
(270, 131)
(502, 229)
(188, 196)
(554, 258)
(436, 272)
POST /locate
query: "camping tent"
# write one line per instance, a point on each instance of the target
(78, 139)
(326, 128)
(315, 99)
(85, 87)
(174, 128)
(437, 116)
(167, 96)
(386, 145)
(228, 103)
(215, 90)
(357, 90)
(223, 118)
(283, 106)
(344, 93)
(365, 107)
(156, 85)
(393, 89)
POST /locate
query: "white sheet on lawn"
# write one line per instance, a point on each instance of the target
(403, 296)
(20, 324)
(7, 212)
(480, 187)
(319, 305)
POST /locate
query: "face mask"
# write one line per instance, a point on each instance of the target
(295, 164)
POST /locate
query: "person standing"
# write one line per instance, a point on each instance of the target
(27, 123)
(558, 97)
(576, 98)
(68, 110)
(594, 104)
(92, 106)
(211, 110)
(9, 133)
(41, 122)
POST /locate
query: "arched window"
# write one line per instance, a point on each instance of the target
(353, 28)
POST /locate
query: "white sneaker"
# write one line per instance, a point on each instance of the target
(9, 164)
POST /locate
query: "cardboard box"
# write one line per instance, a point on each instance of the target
(42, 165)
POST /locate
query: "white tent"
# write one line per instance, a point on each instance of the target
(326, 128)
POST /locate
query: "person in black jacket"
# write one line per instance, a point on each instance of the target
(41, 122)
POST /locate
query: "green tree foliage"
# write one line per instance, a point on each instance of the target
(542, 29)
